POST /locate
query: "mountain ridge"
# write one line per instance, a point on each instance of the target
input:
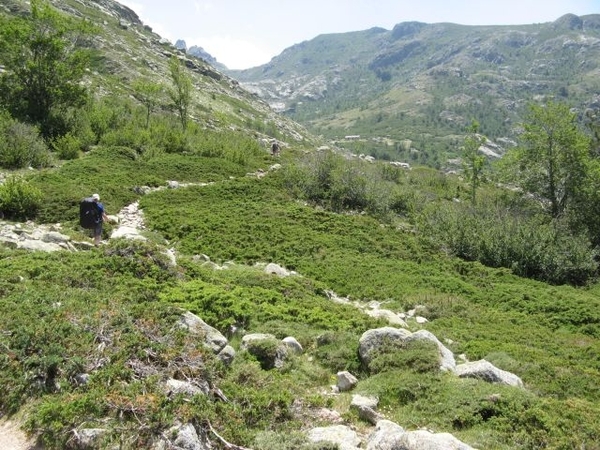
(426, 82)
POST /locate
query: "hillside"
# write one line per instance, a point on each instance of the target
(410, 92)
(312, 300)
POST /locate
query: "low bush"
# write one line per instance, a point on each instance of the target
(338, 351)
(67, 146)
(342, 184)
(19, 199)
(531, 246)
(418, 356)
(21, 145)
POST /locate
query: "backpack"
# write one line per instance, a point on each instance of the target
(89, 216)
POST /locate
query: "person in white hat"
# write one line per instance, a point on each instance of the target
(101, 218)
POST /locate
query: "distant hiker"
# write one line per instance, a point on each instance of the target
(275, 148)
(91, 216)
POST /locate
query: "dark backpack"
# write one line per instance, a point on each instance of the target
(89, 216)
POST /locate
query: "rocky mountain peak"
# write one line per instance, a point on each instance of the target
(110, 7)
(569, 21)
(181, 45)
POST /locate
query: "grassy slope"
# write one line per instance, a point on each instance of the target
(125, 297)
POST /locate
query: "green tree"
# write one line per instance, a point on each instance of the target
(181, 92)
(148, 93)
(592, 120)
(553, 156)
(473, 161)
(45, 62)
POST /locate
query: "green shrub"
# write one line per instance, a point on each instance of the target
(342, 184)
(18, 199)
(21, 145)
(265, 351)
(67, 146)
(418, 356)
(532, 246)
(338, 351)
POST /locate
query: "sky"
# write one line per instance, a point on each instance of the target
(248, 33)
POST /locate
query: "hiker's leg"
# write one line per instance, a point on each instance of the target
(98, 234)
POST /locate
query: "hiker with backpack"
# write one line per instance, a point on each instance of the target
(92, 215)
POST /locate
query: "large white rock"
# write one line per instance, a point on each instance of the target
(346, 381)
(40, 246)
(390, 436)
(187, 388)
(293, 344)
(127, 233)
(346, 438)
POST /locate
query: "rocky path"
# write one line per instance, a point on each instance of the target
(12, 438)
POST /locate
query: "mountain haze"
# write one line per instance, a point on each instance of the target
(412, 91)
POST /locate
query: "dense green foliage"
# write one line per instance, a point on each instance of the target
(553, 162)
(45, 62)
(19, 199)
(21, 145)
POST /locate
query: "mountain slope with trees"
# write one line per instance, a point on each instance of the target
(464, 308)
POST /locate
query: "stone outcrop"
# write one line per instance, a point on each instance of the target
(343, 436)
(32, 237)
(447, 361)
(366, 408)
(185, 437)
(268, 350)
(88, 437)
(210, 336)
(486, 371)
(390, 436)
(187, 388)
(372, 340)
(346, 381)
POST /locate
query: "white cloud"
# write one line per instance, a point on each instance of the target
(235, 53)
(136, 6)
(203, 6)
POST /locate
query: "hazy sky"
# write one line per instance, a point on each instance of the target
(248, 33)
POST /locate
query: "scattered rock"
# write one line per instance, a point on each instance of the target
(447, 361)
(346, 381)
(391, 317)
(366, 407)
(227, 354)
(276, 269)
(486, 371)
(187, 388)
(371, 340)
(89, 437)
(187, 438)
(343, 436)
(293, 345)
(211, 336)
(390, 436)
(270, 352)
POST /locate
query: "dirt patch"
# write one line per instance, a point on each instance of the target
(12, 438)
